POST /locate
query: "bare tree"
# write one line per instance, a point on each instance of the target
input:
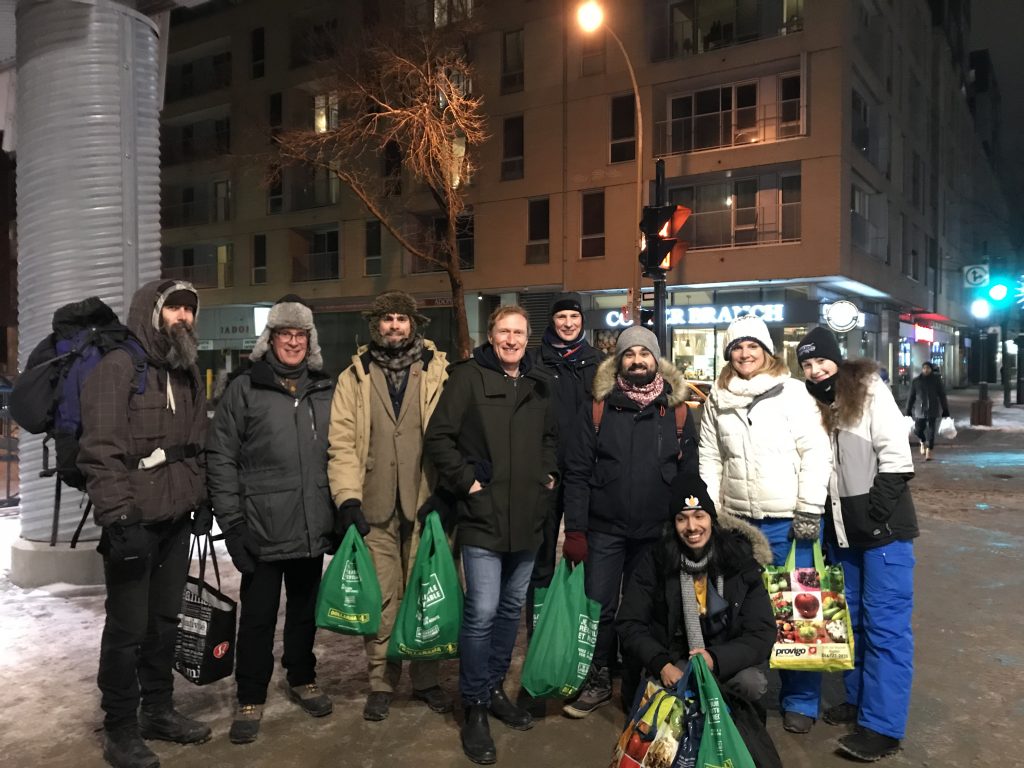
(398, 104)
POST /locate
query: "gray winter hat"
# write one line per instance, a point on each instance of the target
(637, 335)
(291, 312)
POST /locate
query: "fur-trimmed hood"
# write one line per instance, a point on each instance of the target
(604, 380)
(758, 541)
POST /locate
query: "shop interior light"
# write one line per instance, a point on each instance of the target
(981, 309)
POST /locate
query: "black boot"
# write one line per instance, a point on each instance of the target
(124, 748)
(167, 724)
(509, 713)
(476, 736)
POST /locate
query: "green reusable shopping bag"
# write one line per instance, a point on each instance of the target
(430, 614)
(720, 744)
(349, 599)
(562, 646)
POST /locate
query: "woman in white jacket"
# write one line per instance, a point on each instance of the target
(766, 459)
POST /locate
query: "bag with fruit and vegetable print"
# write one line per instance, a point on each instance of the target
(664, 730)
(813, 625)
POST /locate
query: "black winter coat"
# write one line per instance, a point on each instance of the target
(618, 480)
(486, 418)
(573, 386)
(650, 618)
(927, 397)
(266, 458)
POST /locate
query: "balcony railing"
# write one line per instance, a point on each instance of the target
(207, 76)
(320, 265)
(210, 275)
(200, 148)
(735, 227)
(318, 195)
(749, 20)
(866, 236)
(195, 213)
(743, 126)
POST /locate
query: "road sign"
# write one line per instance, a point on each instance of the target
(976, 276)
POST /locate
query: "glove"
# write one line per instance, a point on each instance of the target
(483, 471)
(574, 548)
(806, 526)
(350, 513)
(945, 414)
(126, 543)
(443, 502)
(242, 548)
(202, 518)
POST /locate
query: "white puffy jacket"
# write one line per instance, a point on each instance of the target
(763, 450)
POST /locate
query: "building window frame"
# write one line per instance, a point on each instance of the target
(258, 275)
(622, 129)
(513, 67)
(538, 230)
(373, 258)
(592, 224)
(513, 148)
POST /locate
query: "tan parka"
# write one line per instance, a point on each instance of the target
(350, 425)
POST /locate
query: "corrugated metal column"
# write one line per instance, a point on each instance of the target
(88, 184)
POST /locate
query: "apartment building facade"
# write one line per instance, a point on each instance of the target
(826, 150)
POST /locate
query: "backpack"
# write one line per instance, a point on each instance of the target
(46, 398)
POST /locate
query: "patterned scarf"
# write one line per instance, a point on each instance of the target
(642, 394)
(396, 362)
(689, 573)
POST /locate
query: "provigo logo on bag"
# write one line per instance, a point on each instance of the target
(795, 651)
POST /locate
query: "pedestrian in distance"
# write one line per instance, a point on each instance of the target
(766, 460)
(382, 404)
(493, 440)
(927, 402)
(267, 476)
(628, 444)
(870, 528)
(139, 452)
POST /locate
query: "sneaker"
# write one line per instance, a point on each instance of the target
(312, 699)
(927, 454)
(868, 746)
(124, 748)
(841, 714)
(922, 448)
(596, 692)
(794, 722)
(246, 725)
(167, 724)
(378, 704)
(436, 699)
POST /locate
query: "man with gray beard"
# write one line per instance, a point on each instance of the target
(139, 452)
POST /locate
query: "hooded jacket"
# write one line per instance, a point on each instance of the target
(267, 462)
(487, 419)
(119, 426)
(763, 452)
(573, 386)
(618, 480)
(650, 618)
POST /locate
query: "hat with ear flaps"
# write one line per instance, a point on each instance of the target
(394, 303)
(291, 312)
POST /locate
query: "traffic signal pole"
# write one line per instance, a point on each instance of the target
(660, 299)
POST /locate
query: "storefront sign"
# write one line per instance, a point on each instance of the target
(921, 333)
(716, 314)
(842, 316)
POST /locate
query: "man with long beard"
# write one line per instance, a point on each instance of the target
(381, 407)
(627, 448)
(139, 452)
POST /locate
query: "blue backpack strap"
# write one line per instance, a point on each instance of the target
(132, 346)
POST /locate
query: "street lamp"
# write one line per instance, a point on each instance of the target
(590, 16)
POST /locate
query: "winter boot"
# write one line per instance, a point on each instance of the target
(537, 707)
(596, 692)
(167, 724)
(867, 745)
(927, 454)
(476, 736)
(794, 722)
(246, 725)
(509, 713)
(124, 748)
(312, 699)
(435, 698)
(378, 705)
(841, 714)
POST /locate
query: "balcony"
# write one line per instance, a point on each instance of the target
(737, 227)
(744, 126)
(198, 77)
(866, 237)
(195, 213)
(195, 149)
(318, 194)
(676, 34)
(317, 265)
(209, 275)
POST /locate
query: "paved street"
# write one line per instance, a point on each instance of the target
(968, 699)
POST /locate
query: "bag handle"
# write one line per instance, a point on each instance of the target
(819, 558)
(205, 546)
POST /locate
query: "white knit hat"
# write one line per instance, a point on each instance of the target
(748, 328)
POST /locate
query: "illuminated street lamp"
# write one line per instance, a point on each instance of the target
(590, 16)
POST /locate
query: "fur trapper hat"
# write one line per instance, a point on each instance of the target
(291, 312)
(748, 328)
(394, 303)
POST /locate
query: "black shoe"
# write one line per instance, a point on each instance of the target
(167, 724)
(867, 745)
(246, 725)
(537, 707)
(124, 748)
(436, 699)
(312, 699)
(476, 736)
(794, 722)
(378, 705)
(841, 714)
(509, 713)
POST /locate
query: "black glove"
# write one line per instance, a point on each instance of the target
(242, 548)
(350, 513)
(443, 502)
(124, 543)
(202, 518)
(483, 471)
(945, 414)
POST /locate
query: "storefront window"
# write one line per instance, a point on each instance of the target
(695, 353)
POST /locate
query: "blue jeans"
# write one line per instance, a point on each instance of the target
(496, 584)
(800, 691)
(880, 598)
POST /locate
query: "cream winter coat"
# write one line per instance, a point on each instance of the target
(763, 451)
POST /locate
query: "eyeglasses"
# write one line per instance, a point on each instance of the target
(291, 335)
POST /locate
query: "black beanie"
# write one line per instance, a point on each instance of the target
(820, 342)
(564, 301)
(182, 298)
(690, 492)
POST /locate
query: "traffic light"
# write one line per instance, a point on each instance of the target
(661, 248)
(997, 295)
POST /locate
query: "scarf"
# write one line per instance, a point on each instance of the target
(689, 573)
(567, 350)
(642, 394)
(292, 377)
(396, 362)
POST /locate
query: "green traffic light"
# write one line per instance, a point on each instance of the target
(999, 291)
